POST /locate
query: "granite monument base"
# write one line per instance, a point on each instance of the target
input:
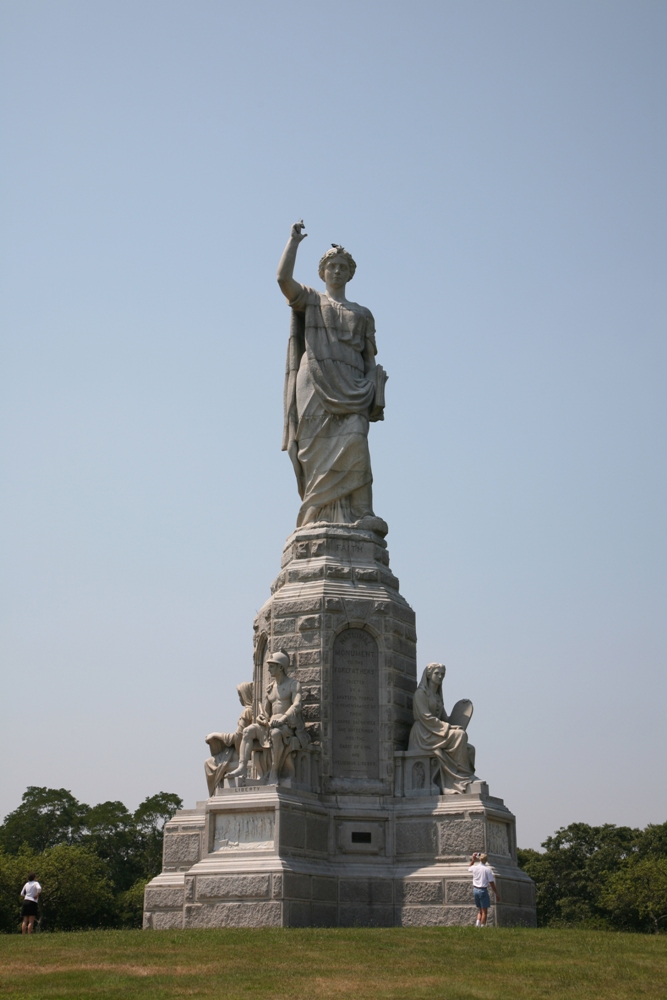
(263, 856)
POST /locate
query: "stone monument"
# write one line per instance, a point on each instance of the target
(347, 795)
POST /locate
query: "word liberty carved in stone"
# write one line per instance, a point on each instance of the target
(356, 710)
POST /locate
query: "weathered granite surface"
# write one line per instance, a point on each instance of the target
(336, 609)
(411, 871)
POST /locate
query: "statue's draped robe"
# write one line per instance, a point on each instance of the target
(432, 733)
(329, 395)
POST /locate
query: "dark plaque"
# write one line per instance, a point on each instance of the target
(356, 710)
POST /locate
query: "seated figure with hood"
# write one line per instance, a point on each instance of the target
(441, 735)
(225, 746)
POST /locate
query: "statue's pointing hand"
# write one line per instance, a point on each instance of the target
(297, 233)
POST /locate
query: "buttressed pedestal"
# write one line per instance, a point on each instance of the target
(347, 794)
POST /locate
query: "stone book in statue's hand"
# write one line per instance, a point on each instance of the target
(377, 410)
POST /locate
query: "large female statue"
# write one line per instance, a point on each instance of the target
(333, 388)
(440, 734)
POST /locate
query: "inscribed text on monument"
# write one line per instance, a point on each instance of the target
(356, 710)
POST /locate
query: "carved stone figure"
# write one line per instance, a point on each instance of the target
(333, 388)
(279, 726)
(444, 736)
(225, 746)
(353, 819)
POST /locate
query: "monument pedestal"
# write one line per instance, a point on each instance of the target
(336, 609)
(276, 857)
(358, 831)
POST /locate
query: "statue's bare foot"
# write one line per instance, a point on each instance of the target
(273, 779)
(238, 772)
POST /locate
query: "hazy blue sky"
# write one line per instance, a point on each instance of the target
(498, 171)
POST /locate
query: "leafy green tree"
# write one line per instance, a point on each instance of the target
(93, 863)
(150, 817)
(653, 841)
(571, 873)
(130, 905)
(76, 889)
(637, 894)
(112, 833)
(46, 817)
(14, 870)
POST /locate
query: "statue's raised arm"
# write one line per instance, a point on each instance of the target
(288, 286)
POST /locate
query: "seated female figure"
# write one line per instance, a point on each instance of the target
(441, 735)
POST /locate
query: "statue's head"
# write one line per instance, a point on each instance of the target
(245, 691)
(339, 263)
(278, 662)
(436, 673)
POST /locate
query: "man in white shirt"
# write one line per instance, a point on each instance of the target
(482, 878)
(29, 911)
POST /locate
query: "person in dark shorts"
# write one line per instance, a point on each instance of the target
(30, 910)
(482, 878)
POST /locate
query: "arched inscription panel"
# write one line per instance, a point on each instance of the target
(356, 709)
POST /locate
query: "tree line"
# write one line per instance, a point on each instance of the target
(605, 877)
(92, 861)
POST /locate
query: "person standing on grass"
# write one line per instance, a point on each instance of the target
(482, 878)
(29, 910)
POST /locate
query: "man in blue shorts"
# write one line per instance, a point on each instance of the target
(482, 878)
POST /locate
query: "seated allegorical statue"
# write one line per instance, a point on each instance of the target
(441, 735)
(225, 746)
(279, 725)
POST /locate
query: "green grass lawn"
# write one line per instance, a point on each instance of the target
(397, 964)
